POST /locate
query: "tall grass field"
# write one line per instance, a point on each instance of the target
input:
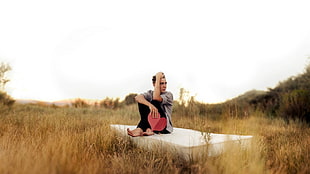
(38, 139)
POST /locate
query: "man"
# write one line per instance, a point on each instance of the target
(157, 103)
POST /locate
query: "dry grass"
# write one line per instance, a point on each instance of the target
(38, 139)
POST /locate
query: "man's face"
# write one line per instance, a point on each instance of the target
(163, 85)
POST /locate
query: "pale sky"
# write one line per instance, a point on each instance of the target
(89, 49)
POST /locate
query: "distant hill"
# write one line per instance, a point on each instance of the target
(248, 96)
(57, 103)
(290, 99)
(66, 102)
(29, 101)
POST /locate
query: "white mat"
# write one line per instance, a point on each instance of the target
(188, 143)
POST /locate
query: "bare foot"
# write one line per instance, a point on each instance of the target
(135, 133)
(148, 132)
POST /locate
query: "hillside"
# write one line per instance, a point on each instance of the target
(290, 99)
(248, 96)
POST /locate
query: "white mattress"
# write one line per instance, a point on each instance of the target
(186, 142)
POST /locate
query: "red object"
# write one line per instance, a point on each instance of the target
(157, 124)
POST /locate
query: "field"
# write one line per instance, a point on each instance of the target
(43, 139)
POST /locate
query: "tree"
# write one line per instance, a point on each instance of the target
(183, 97)
(5, 99)
(4, 68)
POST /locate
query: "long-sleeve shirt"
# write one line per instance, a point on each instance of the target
(166, 105)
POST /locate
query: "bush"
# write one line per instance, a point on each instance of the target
(80, 103)
(130, 99)
(296, 105)
(6, 100)
(110, 103)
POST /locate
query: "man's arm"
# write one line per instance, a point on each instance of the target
(156, 93)
(153, 110)
(140, 99)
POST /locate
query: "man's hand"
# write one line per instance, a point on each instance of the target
(159, 76)
(154, 111)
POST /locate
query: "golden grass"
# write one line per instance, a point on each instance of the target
(40, 139)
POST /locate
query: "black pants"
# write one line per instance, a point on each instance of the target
(144, 112)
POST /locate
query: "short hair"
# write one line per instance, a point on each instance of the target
(154, 78)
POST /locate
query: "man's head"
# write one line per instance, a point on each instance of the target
(163, 83)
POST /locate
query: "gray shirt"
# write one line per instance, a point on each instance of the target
(166, 105)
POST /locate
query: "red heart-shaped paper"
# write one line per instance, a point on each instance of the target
(157, 124)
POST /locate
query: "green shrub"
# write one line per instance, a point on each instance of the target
(296, 105)
(80, 103)
(6, 100)
(130, 99)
